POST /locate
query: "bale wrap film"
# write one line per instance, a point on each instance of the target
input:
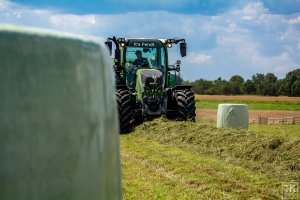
(59, 128)
(232, 116)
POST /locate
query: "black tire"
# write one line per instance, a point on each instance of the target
(125, 112)
(138, 119)
(170, 115)
(185, 100)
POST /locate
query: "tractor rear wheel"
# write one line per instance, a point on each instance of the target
(138, 119)
(185, 100)
(125, 112)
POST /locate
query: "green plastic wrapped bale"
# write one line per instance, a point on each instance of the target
(232, 116)
(58, 119)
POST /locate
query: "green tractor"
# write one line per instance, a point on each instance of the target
(146, 85)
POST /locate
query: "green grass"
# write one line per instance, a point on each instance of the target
(155, 171)
(253, 105)
(284, 130)
(165, 159)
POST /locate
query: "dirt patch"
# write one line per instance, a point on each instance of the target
(248, 98)
(211, 114)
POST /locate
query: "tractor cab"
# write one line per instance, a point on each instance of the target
(146, 54)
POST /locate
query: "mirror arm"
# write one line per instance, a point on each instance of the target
(179, 40)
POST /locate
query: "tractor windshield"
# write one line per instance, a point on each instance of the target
(141, 57)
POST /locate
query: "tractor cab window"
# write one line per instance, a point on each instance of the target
(138, 57)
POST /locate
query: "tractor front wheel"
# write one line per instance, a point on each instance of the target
(185, 100)
(125, 112)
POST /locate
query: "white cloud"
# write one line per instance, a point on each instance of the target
(253, 9)
(74, 22)
(295, 20)
(249, 18)
(198, 58)
(264, 61)
(283, 68)
(3, 4)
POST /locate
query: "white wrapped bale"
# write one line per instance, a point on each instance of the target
(58, 121)
(232, 116)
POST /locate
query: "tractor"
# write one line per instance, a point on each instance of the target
(146, 85)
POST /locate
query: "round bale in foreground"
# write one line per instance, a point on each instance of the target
(58, 119)
(232, 116)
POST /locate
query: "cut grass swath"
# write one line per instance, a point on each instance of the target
(164, 159)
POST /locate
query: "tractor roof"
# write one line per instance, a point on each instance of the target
(162, 40)
(146, 42)
(174, 40)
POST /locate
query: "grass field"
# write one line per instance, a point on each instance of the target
(165, 159)
(247, 98)
(284, 130)
(253, 105)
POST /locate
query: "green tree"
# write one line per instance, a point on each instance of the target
(295, 91)
(282, 87)
(260, 84)
(237, 79)
(292, 77)
(236, 84)
(200, 86)
(249, 87)
(270, 78)
(258, 80)
(227, 89)
(269, 85)
(218, 86)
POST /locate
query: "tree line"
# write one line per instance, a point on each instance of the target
(260, 84)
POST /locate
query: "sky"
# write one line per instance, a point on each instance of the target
(224, 38)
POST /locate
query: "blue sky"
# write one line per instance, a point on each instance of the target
(224, 37)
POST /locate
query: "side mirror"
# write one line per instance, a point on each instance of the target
(183, 49)
(109, 46)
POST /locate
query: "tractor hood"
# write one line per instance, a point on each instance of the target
(150, 78)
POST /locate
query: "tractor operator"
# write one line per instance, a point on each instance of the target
(140, 61)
